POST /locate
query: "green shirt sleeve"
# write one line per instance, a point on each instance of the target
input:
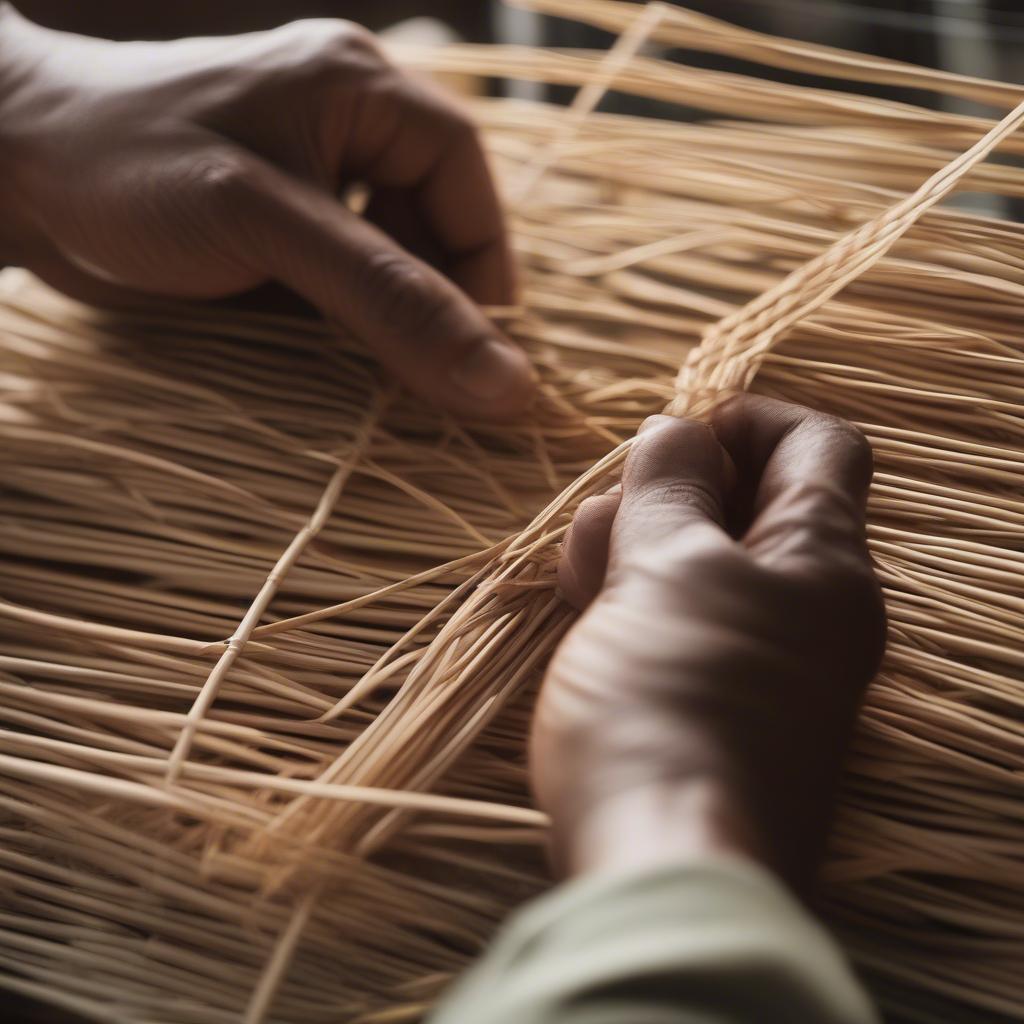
(719, 942)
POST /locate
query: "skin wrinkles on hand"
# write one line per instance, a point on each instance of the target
(731, 623)
(731, 619)
(204, 168)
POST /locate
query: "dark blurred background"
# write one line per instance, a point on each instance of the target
(979, 37)
(983, 38)
(971, 37)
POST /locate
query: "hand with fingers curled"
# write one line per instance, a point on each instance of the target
(731, 622)
(203, 168)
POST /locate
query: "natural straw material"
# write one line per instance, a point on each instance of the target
(270, 627)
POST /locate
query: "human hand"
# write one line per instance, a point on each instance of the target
(202, 168)
(704, 700)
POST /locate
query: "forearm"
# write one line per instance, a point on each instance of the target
(674, 916)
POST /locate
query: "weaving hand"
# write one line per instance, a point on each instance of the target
(203, 168)
(704, 700)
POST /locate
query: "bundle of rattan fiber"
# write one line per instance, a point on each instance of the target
(269, 627)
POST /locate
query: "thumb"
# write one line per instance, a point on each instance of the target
(675, 483)
(419, 324)
(584, 558)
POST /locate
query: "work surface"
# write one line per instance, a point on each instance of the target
(331, 821)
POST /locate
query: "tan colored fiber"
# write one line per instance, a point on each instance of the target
(270, 628)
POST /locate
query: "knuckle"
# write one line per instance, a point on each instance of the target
(848, 442)
(347, 42)
(816, 517)
(820, 503)
(677, 450)
(329, 48)
(445, 113)
(678, 430)
(696, 434)
(414, 304)
(222, 174)
(681, 560)
(856, 445)
(689, 493)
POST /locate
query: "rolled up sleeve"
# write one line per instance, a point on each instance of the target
(711, 943)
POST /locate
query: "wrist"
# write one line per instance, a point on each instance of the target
(658, 824)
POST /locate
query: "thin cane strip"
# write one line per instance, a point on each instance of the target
(159, 464)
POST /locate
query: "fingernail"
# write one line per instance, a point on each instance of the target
(654, 422)
(491, 368)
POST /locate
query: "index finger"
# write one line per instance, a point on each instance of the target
(675, 483)
(433, 150)
(804, 474)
